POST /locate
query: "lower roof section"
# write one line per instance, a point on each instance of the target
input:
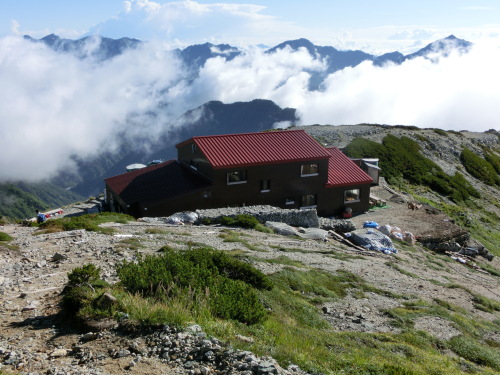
(156, 183)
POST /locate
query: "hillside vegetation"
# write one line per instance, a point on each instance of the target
(401, 158)
(20, 200)
(319, 305)
(456, 172)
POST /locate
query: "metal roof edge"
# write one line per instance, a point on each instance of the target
(193, 139)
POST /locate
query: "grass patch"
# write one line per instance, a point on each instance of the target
(294, 329)
(344, 256)
(232, 236)
(479, 167)
(484, 303)
(490, 269)
(282, 259)
(289, 249)
(4, 237)
(132, 243)
(400, 270)
(400, 158)
(89, 222)
(225, 283)
(155, 231)
(475, 352)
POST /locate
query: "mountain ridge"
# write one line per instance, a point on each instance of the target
(197, 54)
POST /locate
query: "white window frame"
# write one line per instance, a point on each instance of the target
(194, 165)
(244, 175)
(352, 200)
(262, 185)
(289, 201)
(310, 206)
(303, 166)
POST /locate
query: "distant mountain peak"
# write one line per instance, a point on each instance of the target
(295, 45)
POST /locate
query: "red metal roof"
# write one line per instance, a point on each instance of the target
(250, 149)
(156, 183)
(342, 171)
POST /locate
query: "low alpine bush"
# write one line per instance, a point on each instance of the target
(5, 237)
(479, 167)
(228, 282)
(401, 158)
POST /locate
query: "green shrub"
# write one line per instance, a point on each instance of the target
(244, 221)
(5, 237)
(262, 228)
(400, 158)
(89, 222)
(475, 352)
(421, 138)
(84, 283)
(86, 274)
(206, 221)
(227, 221)
(440, 132)
(492, 158)
(479, 167)
(364, 148)
(228, 282)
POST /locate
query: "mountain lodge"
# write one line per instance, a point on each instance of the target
(286, 168)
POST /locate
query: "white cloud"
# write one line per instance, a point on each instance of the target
(457, 92)
(127, 6)
(54, 106)
(189, 22)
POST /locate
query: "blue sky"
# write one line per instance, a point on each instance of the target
(374, 26)
(51, 100)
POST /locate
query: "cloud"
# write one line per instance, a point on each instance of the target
(189, 22)
(455, 92)
(55, 107)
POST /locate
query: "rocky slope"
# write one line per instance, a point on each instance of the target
(34, 271)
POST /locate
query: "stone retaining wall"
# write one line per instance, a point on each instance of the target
(307, 218)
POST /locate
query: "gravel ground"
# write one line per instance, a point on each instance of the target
(34, 274)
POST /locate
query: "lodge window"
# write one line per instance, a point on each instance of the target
(351, 196)
(194, 165)
(307, 170)
(265, 186)
(308, 200)
(289, 201)
(193, 148)
(236, 177)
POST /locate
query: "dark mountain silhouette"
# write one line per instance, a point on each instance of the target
(196, 56)
(97, 47)
(391, 57)
(442, 47)
(337, 60)
(212, 118)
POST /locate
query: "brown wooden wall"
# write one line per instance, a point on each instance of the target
(285, 182)
(186, 156)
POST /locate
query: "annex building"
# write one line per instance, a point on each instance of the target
(286, 168)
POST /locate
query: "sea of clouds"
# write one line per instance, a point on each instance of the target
(55, 107)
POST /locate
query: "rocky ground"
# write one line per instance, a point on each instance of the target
(34, 272)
